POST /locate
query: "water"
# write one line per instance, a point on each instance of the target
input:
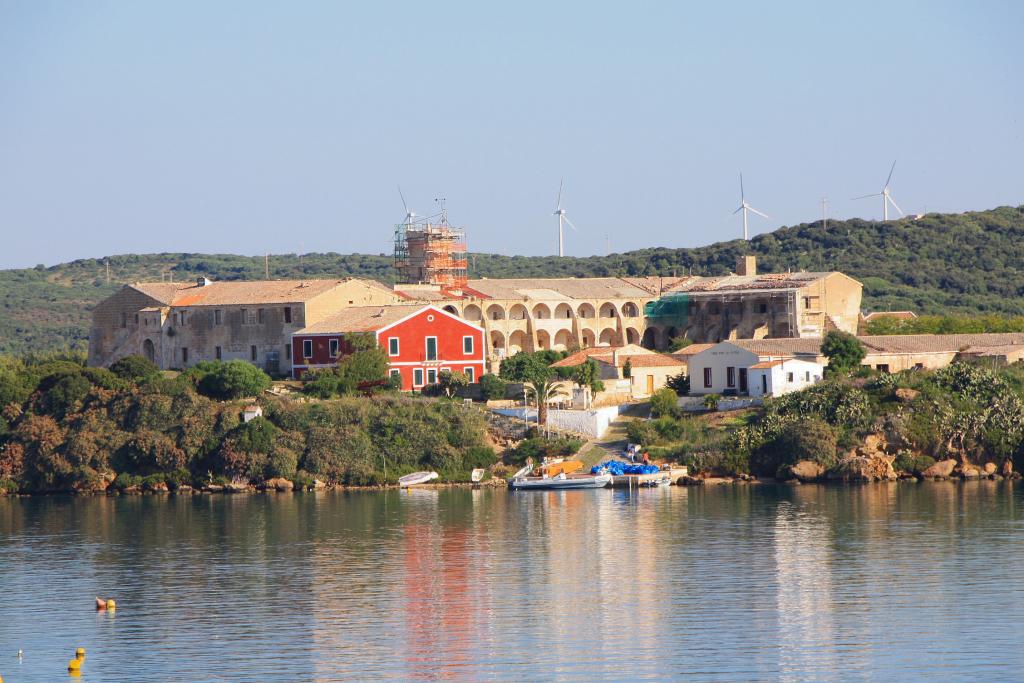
(881, 582)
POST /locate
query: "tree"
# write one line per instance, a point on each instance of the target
(843, 350)
(627, 368)
(677, 343)
(663, 402)
(234, 379)
(587, 374)
(450, 382)
(526, 367)
(679, 383)
(544, 391)
(492, 387)
(805, 439)
(134, 368)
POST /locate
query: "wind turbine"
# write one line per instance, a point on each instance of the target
(409, 215)
(562, 218)
(746, 208)
(886, 197)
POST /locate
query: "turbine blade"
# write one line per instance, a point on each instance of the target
(763, 215)
(404, 205)
(742, 196)
(558, 204)
(570, 223)
(865, 196)
(893, 202)
(737, 210)
(887, 180)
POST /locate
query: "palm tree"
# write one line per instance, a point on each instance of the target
(544, 390)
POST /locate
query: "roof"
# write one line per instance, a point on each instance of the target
(239, 292)
(643, 360)
(763, 365)
(780, 347)
(558, 288)
(742, 283)
(638, 357)
(938, 343)
(1005, 350)
(687, 351)
(582, 355)
(363, 318)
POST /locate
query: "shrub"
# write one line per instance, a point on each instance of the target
(282, 462)
(843, 350)
(679, 383)
(539, 448)
(641, 432)
(711, 401)
(478, 456)
(668, 428)
(810, 439)
(65, 395)
(134, 368)
(234, 379)
(663, 402)
(907, 461)
(492, 387)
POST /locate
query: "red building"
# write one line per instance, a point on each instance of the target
(420, 341)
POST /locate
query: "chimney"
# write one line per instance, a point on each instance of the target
(746, 265)
(203, 282)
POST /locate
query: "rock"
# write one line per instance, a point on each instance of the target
(990, 468)
(183, 488)
(907, 395)
(805, 470)
(942, 468)
(156, 487)
(279, 484)
(969, 472)
(687, 480)
(213, 488)
(319, 485)
(1007, 468)
(860, 468)
(235, 487)
(710, 481)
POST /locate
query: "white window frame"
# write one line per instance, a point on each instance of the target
(709, 379)
(394, 371)
(470, 372)
(429, 371)
(304, 343)
(398, 347)
(333, 347)
(426, 348)
(417, 374)
(472, 345)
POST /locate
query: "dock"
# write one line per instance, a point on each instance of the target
(634, 480)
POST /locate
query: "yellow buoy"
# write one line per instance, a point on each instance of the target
(111, 604)
(74, 664)
(80, 652)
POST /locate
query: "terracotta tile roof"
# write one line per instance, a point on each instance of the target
(741, 283)
(557, 288)
(781, 347)
(582, 355)
(164, 292)
(938, 343)
(1004, 350)
(686, 352)
(240, 292)
(362, 318)
(644, 360)
(764, 365)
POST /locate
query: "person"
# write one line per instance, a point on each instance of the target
(647, 458)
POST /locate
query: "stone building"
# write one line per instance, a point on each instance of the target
(179, 324)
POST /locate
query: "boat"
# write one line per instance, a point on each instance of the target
(663, 480)
(552, 469)
(561, 482)
(416, 478)
(477, 476)
(523, 472)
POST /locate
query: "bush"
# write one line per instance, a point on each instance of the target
(492, 387)
(234, 379)
(711, 401)
(479, 456)
(65, 395)
(539, 448)
(663, 402)
(282, 462)
(843, 350)
(907, 461)
(809, 439)
(679, 383)
(641, 432)
(134, 368)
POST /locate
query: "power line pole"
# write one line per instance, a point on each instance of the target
(824, 212)
(266, 265)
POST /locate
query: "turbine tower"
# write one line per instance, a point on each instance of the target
(746, 208)
(886, 196)
(562, 219)
(410, 216)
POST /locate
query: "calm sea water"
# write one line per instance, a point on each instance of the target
(880, 582)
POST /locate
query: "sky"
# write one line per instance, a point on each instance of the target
(242, 127)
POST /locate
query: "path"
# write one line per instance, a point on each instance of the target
(611, 445)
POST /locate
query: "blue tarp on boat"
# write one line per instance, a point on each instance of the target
(618, 468)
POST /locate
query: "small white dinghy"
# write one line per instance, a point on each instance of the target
(416, 478)
(477, 476)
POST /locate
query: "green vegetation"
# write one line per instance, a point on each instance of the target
(539, 448)
(843, 350)
(366, 365)
(492, 387)
(946, 324)
(965, 264)
(64, 426)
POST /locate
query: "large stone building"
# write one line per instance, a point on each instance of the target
(179, 324)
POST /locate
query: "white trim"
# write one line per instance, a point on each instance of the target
(398, 346)
(472, 345)
(394, 371)
(472, 374)
(440, 370)
(333, 348)
(426, 349)
(310, 342)
(438, 310)
(419, 363)
(436, 373)
(422, 376)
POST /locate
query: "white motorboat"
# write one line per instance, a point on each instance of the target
(477, 476)
(562, 482)
(416, 478)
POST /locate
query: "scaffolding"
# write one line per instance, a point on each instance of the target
(431, 253)
(671, 310)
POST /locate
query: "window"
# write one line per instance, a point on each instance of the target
(392, 346)
(789, 377)
(245, 316)
(417, 377)
(470, 375)
(394, 372)
(431, 375)
(334, 348)
(807, 376)
(216, 352)
(287, 314)
(184, 355)
(730, 377)
(707, 378)
(136, 318)
(762, 308)
(467, 345)
(431, 349)
(217, 317)
(252, 353)
(124, 319)
(259, 315)
(307, 348)
(288, 351)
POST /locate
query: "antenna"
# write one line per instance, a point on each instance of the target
(824, 212)
(607, 244)
(444, 211)
(266, 265)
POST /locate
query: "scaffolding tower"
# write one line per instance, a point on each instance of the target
(431, 253)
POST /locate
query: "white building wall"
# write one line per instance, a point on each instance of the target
(777, 378)
(718, 359)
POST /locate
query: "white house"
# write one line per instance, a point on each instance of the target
(731, 370)
(781, 376)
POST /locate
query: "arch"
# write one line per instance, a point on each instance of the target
(632, 336)
(609, 337)
(670, 334)
(650, 339)
(518, 312)
(543, 340)
(495, 312)
(563, 340)
(589, 339)
(498, 343)
(541, 311)
(516, 342)
(630, 310)
(451, 309)
(148, 350)
(607, 310)
(586, 311)
(563, 311)
(472, 312)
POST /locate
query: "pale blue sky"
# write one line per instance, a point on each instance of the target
(247, 127)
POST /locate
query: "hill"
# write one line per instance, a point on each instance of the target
(966, 263)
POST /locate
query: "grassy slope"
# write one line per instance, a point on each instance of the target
(963, 263)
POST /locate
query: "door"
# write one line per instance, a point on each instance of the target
(650, 384)
(743, 380)
(764, 385)
(273, 362)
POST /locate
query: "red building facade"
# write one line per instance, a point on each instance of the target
(420, 341)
